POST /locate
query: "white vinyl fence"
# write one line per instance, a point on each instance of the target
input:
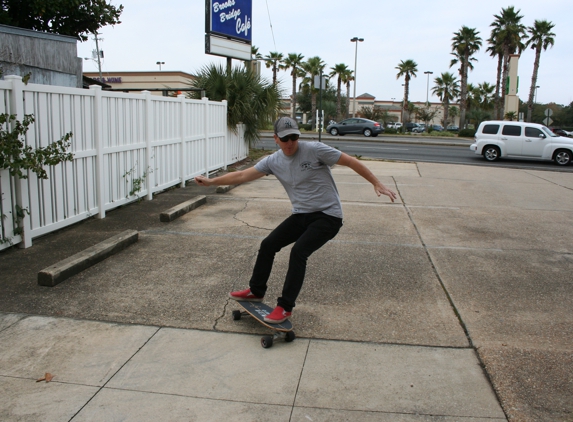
(125, 146)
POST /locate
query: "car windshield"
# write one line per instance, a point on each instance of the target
(548, 132)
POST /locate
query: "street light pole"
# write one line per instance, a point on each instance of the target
(536, 93)
(428, 86)
(355, 40)
(160, 63)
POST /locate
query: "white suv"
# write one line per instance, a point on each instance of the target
(394, 125)
(500, 139)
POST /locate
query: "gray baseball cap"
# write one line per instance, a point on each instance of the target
(285, 126)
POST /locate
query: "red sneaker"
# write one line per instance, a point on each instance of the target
(277, 316)
(245, 295)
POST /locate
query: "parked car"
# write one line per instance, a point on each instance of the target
(453, 128)
(356, 125)
(436, 128)
(420, 128)
(500, 139)
(410, 126)
(394, 125)
(560, 131)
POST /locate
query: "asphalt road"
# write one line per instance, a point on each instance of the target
(384, 148)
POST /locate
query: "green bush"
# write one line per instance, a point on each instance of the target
(390, 131)
(467, 133)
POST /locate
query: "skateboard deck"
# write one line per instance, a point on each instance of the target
(259, 310)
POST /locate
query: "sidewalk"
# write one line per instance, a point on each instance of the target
(452, 304)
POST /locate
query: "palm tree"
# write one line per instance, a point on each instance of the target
(507, 34)
(496, 50)
(339, 70)
(273, 60)
(313, 67)
(465, 44)
(541, 38)
(447, 89)
(347, 78)
(294, 62)
(407, 69)
(251, 99)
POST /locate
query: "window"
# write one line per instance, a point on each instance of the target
(533, 132)
(490, 129)
(511, 130)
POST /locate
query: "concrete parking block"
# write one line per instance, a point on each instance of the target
(68, 267)
(398, 379)
(25, 400)
(118, 405)
(215, 366)
(181, 209)
(83, 352)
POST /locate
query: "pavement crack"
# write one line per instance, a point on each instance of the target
(235, 217)
(220, 316)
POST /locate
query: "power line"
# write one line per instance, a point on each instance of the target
(271, 24)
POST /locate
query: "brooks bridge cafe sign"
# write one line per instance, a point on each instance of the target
(228, 26)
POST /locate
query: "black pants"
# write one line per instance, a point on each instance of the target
(309, 232)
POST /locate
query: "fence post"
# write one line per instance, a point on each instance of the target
(206, 120)
(21, 185)
(182, 138)
(227, 140)
(98, 129)
(148, 151)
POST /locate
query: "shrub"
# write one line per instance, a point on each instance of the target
(467, 133)
(390, 131)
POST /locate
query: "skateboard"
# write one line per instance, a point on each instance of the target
(258, 311)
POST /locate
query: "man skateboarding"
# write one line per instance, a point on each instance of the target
(303, 168)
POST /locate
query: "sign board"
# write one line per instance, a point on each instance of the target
(547, 121)
(228, 28)
(548, 112)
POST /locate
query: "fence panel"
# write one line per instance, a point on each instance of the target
(139, 143)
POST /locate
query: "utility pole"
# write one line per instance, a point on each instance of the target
(98, 55)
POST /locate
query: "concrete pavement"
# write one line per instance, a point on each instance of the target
(452, 304)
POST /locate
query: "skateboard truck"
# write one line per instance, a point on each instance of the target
(258, 311)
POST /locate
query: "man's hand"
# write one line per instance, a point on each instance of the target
(203, 181)
(380, 189)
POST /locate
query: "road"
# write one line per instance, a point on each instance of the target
(405, 150)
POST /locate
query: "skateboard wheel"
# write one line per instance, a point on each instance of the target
(290, 336)
(267, 341)
(236, 315)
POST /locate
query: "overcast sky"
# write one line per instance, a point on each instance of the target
(173, 31)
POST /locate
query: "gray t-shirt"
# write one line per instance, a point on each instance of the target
(306, 177)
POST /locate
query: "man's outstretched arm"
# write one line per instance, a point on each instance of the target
(234, 178)
(362, 170)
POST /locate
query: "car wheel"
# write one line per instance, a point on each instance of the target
(334, 131)
(491, 153)
(563, 157)
(367, 132)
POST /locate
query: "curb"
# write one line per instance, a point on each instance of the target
(75, 264)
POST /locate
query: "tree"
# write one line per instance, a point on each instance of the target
(312, 67)
(76, 18)
(19, 158)
(274, 60)
(407, 69)
(339, 70)
(447, 89)
(465, 44)
(294, 62)
(426, 114)
(347, 78)
(541, 38)
(507, 33)
(375, 113)
(251, 99)
(496, 50)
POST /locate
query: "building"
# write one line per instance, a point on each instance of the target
(48, 59)
(158, 82)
